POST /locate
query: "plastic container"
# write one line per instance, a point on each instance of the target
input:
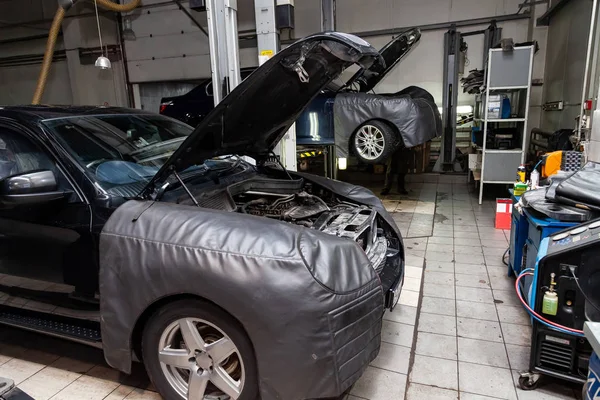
(535, 179)
(550, 303)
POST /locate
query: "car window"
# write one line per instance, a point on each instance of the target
(19, 156)
(119, 149)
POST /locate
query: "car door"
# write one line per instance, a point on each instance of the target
(44, 219)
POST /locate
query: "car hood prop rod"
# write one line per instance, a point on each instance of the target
(186, 188)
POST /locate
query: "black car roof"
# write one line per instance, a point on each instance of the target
(41, 112)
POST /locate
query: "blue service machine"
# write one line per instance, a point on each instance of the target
(561, 293)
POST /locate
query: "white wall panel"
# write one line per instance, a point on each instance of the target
(167, 46)
(17, 84)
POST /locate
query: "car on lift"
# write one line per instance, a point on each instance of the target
(350, 115)
(228, 280)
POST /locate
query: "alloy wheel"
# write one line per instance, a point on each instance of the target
(369, 142)
(200, 361)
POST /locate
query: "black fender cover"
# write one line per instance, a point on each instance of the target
(310, 303)
(417, 119)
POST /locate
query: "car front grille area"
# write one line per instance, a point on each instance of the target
(356, 332)
(556, 356)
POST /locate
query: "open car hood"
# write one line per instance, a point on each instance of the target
(392, 53)
(256, 114)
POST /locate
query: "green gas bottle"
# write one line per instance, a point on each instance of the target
(550, 300)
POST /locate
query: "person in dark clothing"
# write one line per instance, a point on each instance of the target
(398, 164)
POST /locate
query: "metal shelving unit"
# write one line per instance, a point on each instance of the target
(507, 72)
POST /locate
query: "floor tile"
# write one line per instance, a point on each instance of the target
(435, 372)
(516, 334)
(421, 392)
(502, 282)
(466, 235)
(139, 394)
(462, 268)
(440, 248)
(506, 297)
(445, 291)
(469, 309)
(393, 358)
(413, 284)
(482, 352)
(409, 298)
(417, 253)
(471, 396)
(518, 356)
(439, 266)
(435, 305)
(474, 294)
(413, 272)
(48, 382)
(19, 370)
(485, 380)
(500, 271)
(438, 278)
(435, 323)
(463, 228)
(414, 261)
(415, 244)
(379, 384)
(430, 344)
(120, 393)
(87, 388)
(435, 240)
(473, 280)
(438, 256)
(467, 249)
(396, 333)
(513, 314)
(449, 233)
(469, 258)
(498, 244)
(404, 314)
(478, 329)
(459, 241)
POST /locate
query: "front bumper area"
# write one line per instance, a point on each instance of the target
(356, 336)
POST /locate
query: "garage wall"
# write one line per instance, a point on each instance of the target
(565, 63)
(165, 35)
(71, 80)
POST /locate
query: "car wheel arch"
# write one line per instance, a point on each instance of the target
(393, 126)
(135, 340)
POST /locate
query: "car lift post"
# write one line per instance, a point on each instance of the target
(452, 41)
(452, 55)
(267, 35)
(328, 25)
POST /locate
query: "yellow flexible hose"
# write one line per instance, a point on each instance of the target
(53, 34)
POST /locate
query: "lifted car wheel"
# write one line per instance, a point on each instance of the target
(193, 350)
(374, 142)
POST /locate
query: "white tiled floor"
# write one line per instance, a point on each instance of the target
(458, 332)
(472, 334)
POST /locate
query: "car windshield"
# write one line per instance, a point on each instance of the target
(119, 149)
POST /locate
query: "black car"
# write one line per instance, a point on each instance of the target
(152, 241)
(351, 115)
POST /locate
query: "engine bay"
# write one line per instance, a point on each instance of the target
(316, 208)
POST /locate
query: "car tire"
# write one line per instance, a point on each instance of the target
(203, 347)
(374, 141)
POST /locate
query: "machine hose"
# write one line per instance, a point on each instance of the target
(53, 34)
(538, 317)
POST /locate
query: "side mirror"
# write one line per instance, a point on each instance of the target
(30, 188)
